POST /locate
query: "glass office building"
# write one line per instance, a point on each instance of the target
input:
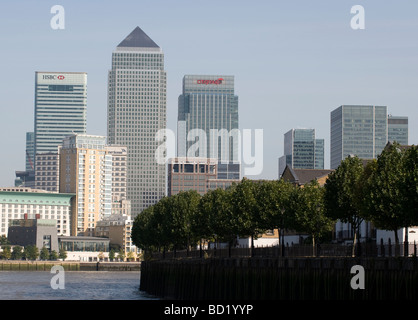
(208, 105)
(136, 113)
(302, 150)
(358, 130)
(30, 151)
(398, 129)
(60, 108)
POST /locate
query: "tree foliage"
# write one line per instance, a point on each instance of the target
(305, 211)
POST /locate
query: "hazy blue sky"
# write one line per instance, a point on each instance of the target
(293, 61)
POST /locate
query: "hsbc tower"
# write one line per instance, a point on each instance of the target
(60, 108)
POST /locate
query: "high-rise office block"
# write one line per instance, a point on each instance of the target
(398, 129)
(208, 105)
(86, 170)
(302, 150)
(47, 171)
(136, 113)
(358, 130)
(30, 151)
(60, 108)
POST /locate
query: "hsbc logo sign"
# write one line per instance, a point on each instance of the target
(53, 77)
(218, 81)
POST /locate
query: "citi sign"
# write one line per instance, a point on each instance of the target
(218, 81)
(53, 77)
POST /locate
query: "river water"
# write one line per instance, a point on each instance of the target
(73, 285)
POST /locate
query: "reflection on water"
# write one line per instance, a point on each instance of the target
(79, 285)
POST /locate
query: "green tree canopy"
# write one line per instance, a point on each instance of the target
(31, 252)
(344, 194)
(391, 190)
(305, 211)
(17, 253)
(44, 254)
(62, 254)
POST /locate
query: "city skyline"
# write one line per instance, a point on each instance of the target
(302, 62)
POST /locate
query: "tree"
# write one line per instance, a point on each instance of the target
(112, 255)
(53, 255)
(244, 206)
(410, 185)
(305, 211)
(121, 255)
(390, 191)
(216, 206)
(7, 253)
(31, 252)
(44, 254)
(17, 253)
(272, 197)
(62, 254)
(343, 194)
(4, 240)
(183, 211)
(130, 256)
(100, 256)
(143, 229)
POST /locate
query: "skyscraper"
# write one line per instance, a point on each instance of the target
(60, 108)
(302, 150)
(30, 151)
(358, 130)
(398, 129)
(136, 112)
(208, 104)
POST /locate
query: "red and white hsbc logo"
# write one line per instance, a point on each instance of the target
(218, 81)
(53, 77)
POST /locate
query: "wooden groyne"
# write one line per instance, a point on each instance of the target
(280, 278)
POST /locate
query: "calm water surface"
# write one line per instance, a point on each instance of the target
(79, 285)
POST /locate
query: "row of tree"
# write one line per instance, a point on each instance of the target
(30, 252)
(383, 191)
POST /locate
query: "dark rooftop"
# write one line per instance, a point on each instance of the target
(138, 39)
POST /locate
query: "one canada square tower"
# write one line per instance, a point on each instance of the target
(136, 113)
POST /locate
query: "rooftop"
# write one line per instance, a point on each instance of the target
(138, 39)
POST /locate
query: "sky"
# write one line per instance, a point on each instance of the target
(293, 61)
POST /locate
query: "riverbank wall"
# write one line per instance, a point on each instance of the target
(281, 278)
(69, 266)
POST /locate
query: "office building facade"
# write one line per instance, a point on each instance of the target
(208, 105)
(398, 129)
(360, 130)
(302, 150)
(30, 151)
(190, 174)
(136, 113)
(47, 171)
(60, 108)
(195, 173)
(26, 203)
